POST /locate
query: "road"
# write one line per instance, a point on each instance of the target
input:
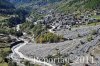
(51, 30)
(15, 50)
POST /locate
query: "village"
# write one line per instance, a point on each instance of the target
(66, 21)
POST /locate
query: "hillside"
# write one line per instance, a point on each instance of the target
(31, 3)
(74, 5)
(61, 5)
(5, 5)
(28, 1)
(10, 16)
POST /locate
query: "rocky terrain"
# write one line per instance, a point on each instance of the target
(75, 45)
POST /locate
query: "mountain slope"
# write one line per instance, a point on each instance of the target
(32, 2)
(28, 1)
(6, 7)
(93, 4)
(5, 4)
(73, 5)
(19, 1)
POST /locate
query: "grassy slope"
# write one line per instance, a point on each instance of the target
(6, 50)
(96, 16)
(3, 17)
(4, 5)
(3, 64)
(77, 5)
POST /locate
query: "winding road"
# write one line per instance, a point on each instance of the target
(51, 30)
(16, 51)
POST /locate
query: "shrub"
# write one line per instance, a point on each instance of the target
(89, 38)
(79, 35)
(66, 65)
(94, 32)
(49, 37)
